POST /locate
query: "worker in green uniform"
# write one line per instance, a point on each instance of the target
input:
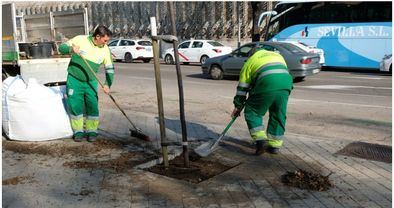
(264, 85)
(82, 96)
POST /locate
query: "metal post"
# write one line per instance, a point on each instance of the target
(180, 87)
(159, 92)
(239, 25)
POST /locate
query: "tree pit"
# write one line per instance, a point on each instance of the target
(200, 169)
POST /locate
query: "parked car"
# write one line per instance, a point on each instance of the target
(129, 50)
(299, 62)
(385, 64)
(309, 49)
(196, 51)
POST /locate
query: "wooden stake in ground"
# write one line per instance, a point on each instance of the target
(180, 86)
(159, 92)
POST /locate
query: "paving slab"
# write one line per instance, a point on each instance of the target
(255, 182)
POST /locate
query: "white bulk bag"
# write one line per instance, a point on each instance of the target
(36, 113)
(11, 85)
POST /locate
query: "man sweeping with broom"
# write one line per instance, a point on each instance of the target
(81, 83)
(267, 82)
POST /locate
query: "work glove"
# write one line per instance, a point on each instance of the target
(236, 112)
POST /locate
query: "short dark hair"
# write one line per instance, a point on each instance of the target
(102, 31)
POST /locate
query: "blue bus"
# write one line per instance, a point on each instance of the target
(352, 34)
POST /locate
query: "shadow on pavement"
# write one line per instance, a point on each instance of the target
(203, 134)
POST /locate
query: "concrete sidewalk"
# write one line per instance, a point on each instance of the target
(255, 182)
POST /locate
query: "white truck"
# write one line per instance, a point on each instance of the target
(30, 43)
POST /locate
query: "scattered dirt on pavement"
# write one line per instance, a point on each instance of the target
(120, 164)
(63, 148)
(199, 170)
(83, 193)
(16, 180)
(306, 180)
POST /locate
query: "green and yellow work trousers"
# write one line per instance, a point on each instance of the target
(256, 107)
(82, 98)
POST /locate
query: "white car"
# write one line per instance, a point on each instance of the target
(385, 64)
(129, 50)
(196, 51)
(309, 49)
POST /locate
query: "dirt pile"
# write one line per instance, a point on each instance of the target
(120, 164)
(60, 149)
(16, 180)
(306, 180)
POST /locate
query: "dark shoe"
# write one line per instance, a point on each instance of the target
(92, 136)
(78, 137)
(92, 139)
(260, 147)
(273, 150)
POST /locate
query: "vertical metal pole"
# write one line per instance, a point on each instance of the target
(180, 87)
(52, 22)
(86, 21)
(239, 25)
(159, 92)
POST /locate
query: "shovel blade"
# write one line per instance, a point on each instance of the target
(204, 149)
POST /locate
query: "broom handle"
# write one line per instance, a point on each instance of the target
(112, 98)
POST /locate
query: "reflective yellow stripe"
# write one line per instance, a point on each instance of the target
(77, 124)
(258, 135)
(92, 125)
(276, 143)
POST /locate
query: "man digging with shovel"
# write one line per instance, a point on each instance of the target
(267, 82)
(82, 84)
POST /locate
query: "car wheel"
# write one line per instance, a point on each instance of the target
(128, 58)
(299, 79)
(168, 59)
(203, 59)
(146, 60)
(216, 72)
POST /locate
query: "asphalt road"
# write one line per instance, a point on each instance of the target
(350, 105)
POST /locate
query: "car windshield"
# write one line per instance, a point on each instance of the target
(214, 43)
(145, 43)
(292, 48)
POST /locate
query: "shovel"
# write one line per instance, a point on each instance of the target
(208, 147)
(136, 132)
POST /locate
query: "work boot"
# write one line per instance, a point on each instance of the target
(260, 147)
(78, 137)
(92, 136)
(273, 150)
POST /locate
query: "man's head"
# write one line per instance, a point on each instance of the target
(101, 35)
(254, 50)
